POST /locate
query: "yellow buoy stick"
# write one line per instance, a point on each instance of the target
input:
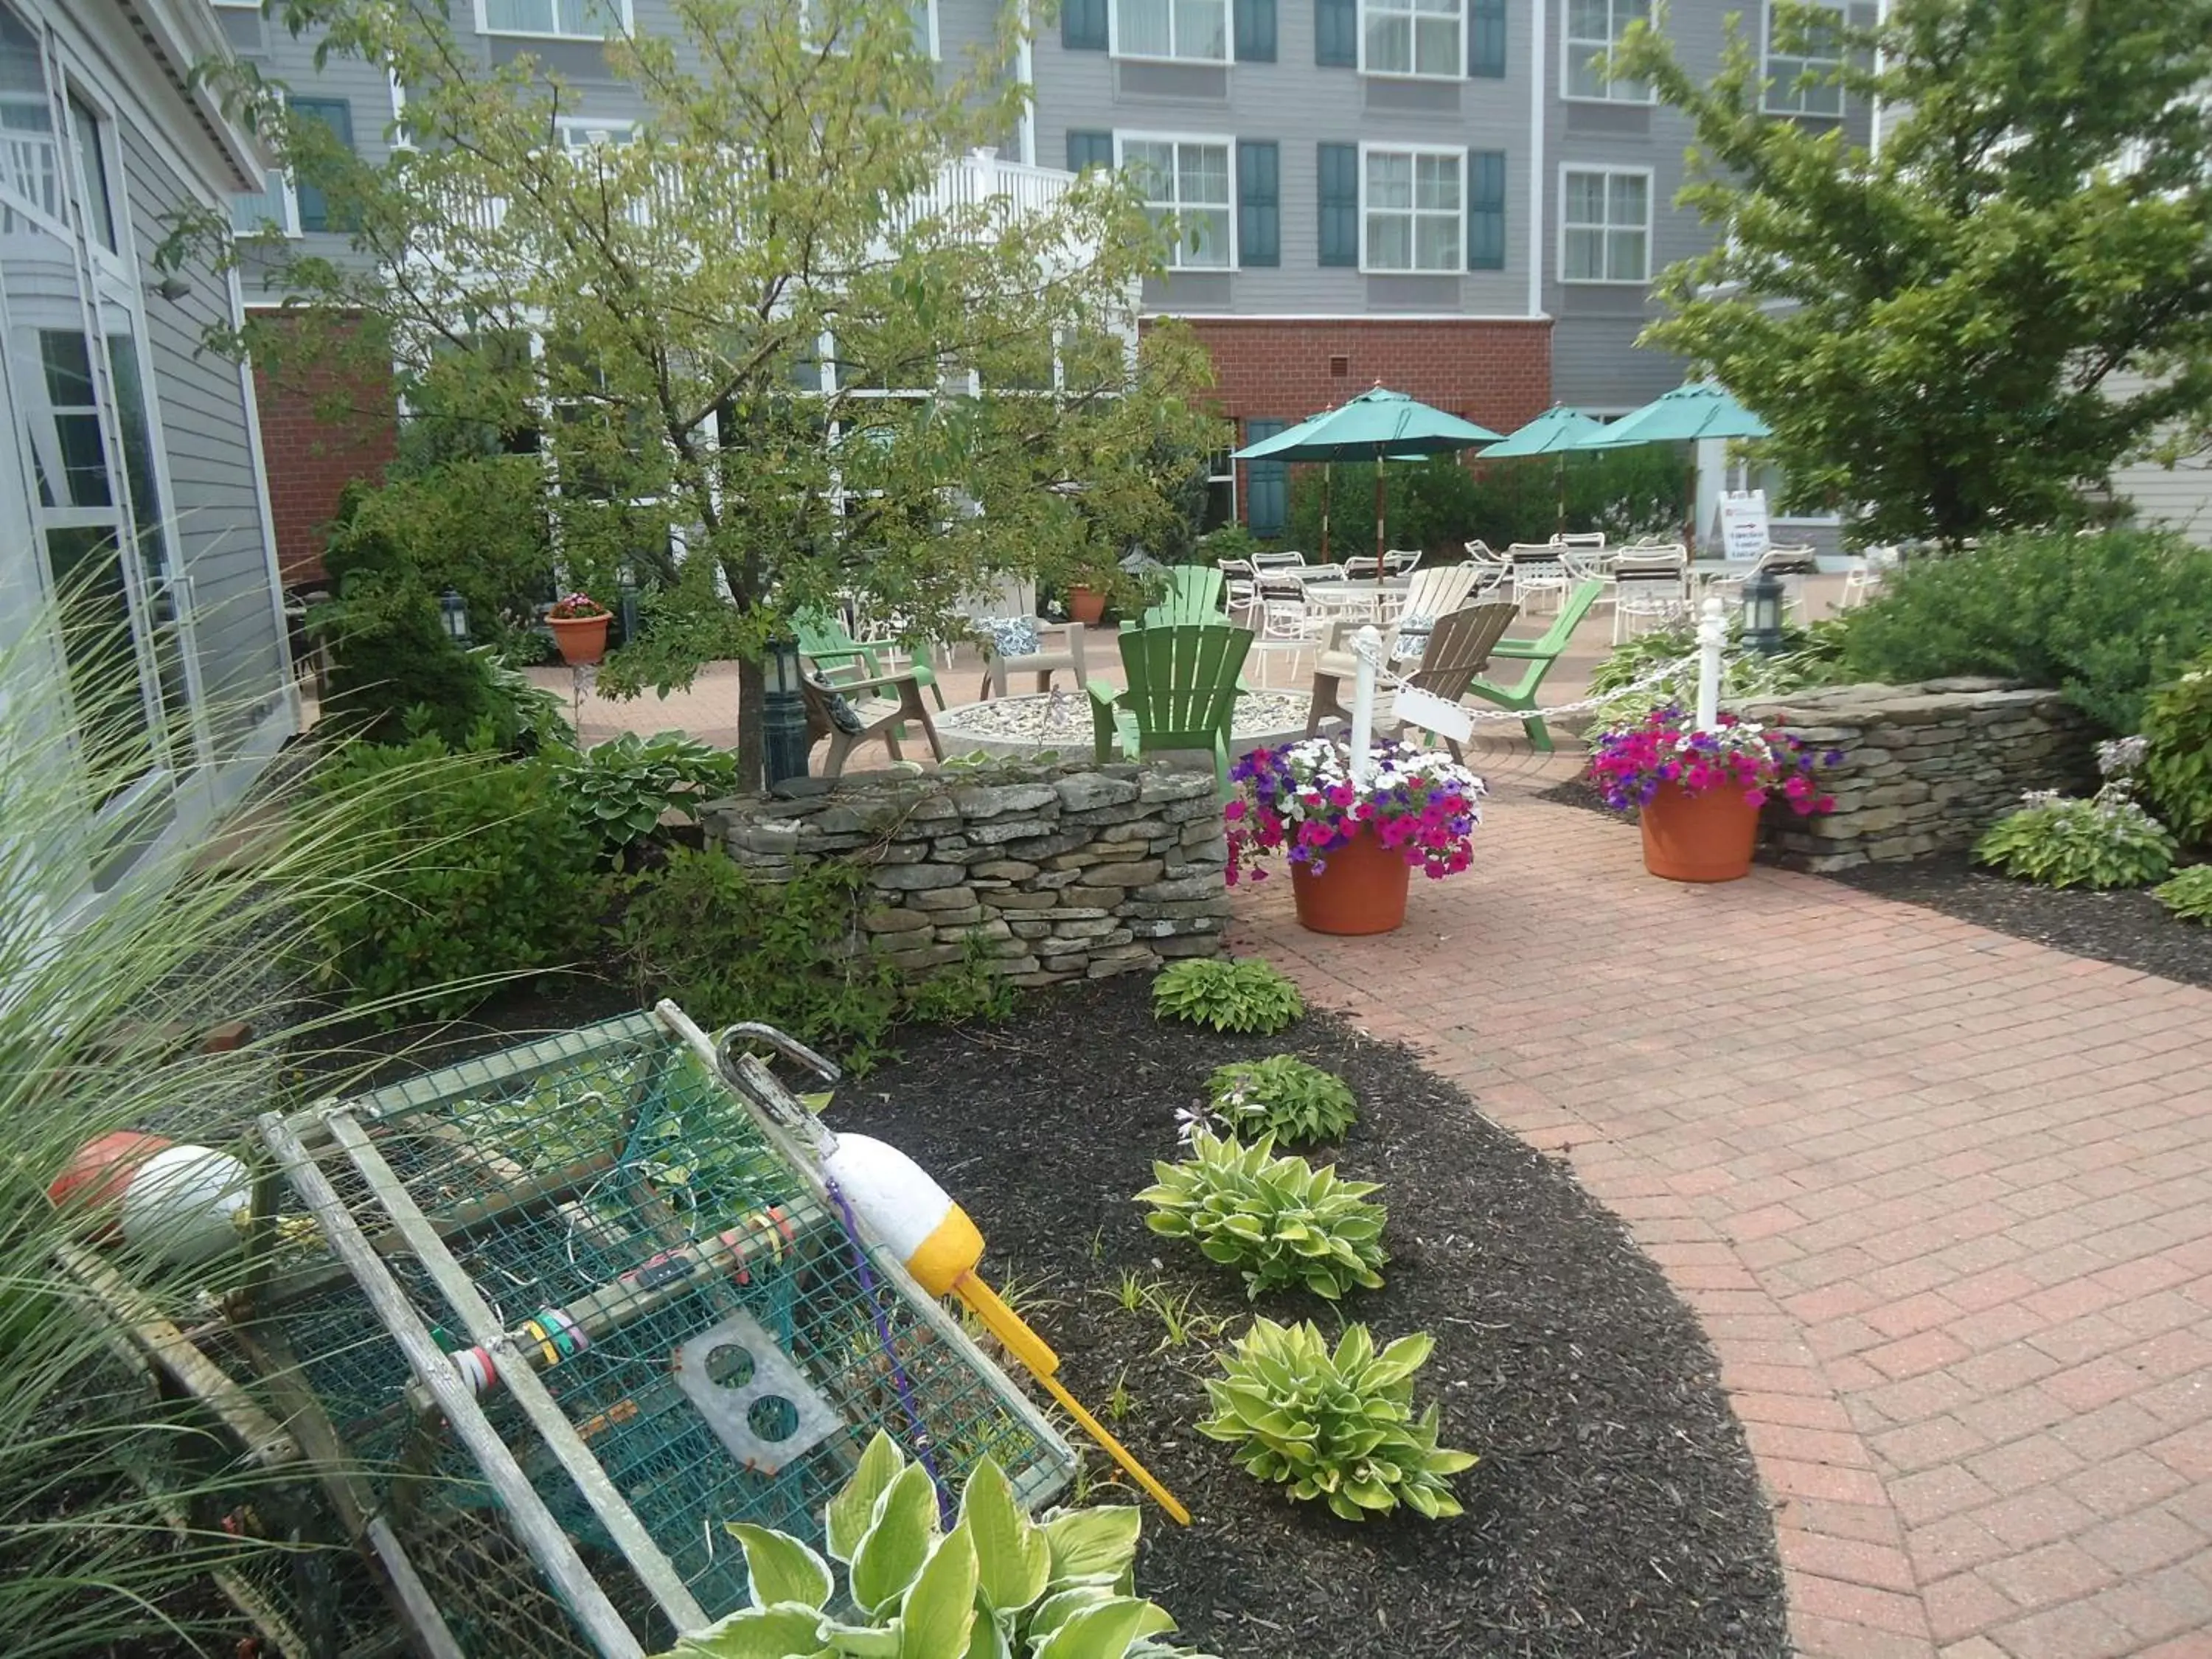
(1041, 1363)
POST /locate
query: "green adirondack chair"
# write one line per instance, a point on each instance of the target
(1193, 598)
(824, 640)
(1182, 693)
(1540, 654)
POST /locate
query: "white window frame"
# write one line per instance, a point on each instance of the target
(627, 25)
(1458, 71)
(1576, 48)
(1212, 141)
(1226, 454)
(1651, 217)
(617, 131)
(1771, 91)
(1459, 241)
(1115, 49)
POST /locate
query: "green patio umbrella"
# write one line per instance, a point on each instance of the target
(1686, 415)
(1553, 432)
(1378, 425)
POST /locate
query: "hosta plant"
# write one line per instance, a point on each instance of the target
(1229, 996)
(2189, 895)
(620, 788)
(2107, 841)
(1283, 1096)
(2177, 760)
(1278, 1221)
(996, 1586)
(1338, 1426)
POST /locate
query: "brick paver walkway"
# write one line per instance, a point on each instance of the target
(1942, 1198)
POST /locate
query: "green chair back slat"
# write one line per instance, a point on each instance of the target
(1182, 681)
(1194, 597)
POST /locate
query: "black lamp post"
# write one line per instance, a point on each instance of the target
(783, 711)
(1762, 611)
(453, 611)
(626, 603)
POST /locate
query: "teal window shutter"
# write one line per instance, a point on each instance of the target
(1089, 149)
(1339, 204)
(1256, 31)
(1485, 210)
(1267, 485)
(1336, 34)
(1258, 202)
(1083, 25)
(336, 114)
(1486, 38)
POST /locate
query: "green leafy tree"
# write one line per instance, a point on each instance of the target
(777, 345)
(1967, 326)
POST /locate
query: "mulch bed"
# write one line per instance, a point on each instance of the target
(1615, 1510)
(2128, 929)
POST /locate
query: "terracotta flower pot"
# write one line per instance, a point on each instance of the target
(1707, 837)
(1360, 890)
(583, 640)
(1086, 605)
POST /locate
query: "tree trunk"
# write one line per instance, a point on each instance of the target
(752, 746)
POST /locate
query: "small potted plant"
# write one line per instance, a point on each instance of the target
(1351, 846)
(578, 622)
(1698, 791)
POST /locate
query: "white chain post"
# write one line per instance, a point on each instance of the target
(1712, 637)
(1367, 654)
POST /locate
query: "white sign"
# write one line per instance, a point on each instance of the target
(1434, 713)
(1744, 531)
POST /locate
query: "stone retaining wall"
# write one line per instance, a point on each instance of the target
(1064, 871)
(1926, 768)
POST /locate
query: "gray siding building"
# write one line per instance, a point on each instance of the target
(1445, 195)
(141, 620)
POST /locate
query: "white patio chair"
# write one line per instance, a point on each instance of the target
(1792, 565)
(1400, 561)
(1538, 571)
(1288, 625)
(1240, 588)
(1649, 593)
(1363, 567)
(1281, 559)
(1583, 541)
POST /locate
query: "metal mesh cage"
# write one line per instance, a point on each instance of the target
(719, 1341)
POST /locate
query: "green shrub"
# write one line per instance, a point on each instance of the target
(2177, 763)
(2187, 895)
(1338, 1426)
(2103, 618)
(1060, 1589)
(1229, 996)
(1282, 1095)
(1278, 1220)
(482, 872)
(2107, 842)
(622, 787)
(792, 953)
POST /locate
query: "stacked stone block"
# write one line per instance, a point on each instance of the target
(1926, 768)
(1063, 872)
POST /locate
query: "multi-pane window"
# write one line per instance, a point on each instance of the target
(1594, 29)
(582, 20)
(1816, 50)
(1187, 180)
(335, 117)
(1412, 210)
(1413, 38)
(92, 160)
(1196, 31)
(1220, 490)
(1605, 226)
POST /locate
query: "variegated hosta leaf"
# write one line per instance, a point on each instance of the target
(1337, 1426)
(1278, 1219)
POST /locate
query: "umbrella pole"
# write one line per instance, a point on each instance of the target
(1690, 511)
(1328, 472)
(1379, 516)
(1559, 485)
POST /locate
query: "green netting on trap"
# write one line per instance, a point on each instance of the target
(703, 1321)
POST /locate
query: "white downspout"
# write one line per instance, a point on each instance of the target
(1536, 112)
(1025, 72)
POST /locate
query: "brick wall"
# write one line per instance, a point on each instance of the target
(311, 458)
(1495, 373)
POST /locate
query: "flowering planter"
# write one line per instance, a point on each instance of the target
(1086, 605)
(583, 640)
(1701, 838)
(1361, 889)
